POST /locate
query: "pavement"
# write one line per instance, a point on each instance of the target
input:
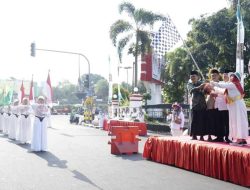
(79, 159)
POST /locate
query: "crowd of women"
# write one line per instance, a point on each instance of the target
(26, 123)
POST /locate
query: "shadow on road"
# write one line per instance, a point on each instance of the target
(53, 161)
(132, 157)
(25, 146)
(67, 135)
(3, 136)
(53, 128)
(82, 177)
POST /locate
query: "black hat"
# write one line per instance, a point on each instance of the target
(194, 73)
(214, 71)
(226, 71)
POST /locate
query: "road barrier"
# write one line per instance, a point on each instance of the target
(124, 139)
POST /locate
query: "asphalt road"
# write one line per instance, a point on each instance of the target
(79, 159)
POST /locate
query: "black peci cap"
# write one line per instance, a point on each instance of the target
(214, 71)
(226, 71)
(194, 73)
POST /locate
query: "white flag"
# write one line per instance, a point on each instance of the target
(165, 38)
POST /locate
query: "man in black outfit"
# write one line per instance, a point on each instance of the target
(198, 106)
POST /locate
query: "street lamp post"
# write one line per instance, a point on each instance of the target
(33, 49)
(127, 68)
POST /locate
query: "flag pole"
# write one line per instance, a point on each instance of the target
(240, 44)
(185, 45)
(187, 49)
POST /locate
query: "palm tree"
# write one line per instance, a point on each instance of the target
(140, 20)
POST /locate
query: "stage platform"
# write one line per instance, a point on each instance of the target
(218, 160)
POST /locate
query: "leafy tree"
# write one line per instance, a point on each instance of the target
(94, 78)
(102, 89)
(126, 86)
(212, 42)
(65, 93)
(140, 19)
(141, 88)
(176, 77)
(124, 94)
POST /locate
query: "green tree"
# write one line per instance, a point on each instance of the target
(64, 92)
(94, 78)
(102, 89)
(124, 94)
(176, 77)
(140, 19)
(126, 86)
(212, 42)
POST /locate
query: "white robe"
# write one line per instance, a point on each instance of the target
(6, 123)
(24, 135)
(14, 123)
(175, 127)
(238, 121)
(1, 121)
(39, 135)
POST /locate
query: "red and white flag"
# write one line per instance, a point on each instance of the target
(21, 93)
(47, 90)
(31, 96)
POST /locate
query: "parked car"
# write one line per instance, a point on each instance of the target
(61, 109)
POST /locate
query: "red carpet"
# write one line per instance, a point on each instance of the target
(217, 160)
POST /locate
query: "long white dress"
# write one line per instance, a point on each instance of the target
(6, 120)
(175, 127)
(39, 135)
(24, 135)
(14, 123)
(238, 121)
(1, 119)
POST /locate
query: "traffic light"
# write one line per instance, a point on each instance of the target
(86, 82)
(33, 49)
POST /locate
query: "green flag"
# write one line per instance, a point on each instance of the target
(1, 97)
(8, 94)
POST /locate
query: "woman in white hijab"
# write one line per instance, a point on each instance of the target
(39, 135)
(177, 120)
(6, 119)
(24, 135)
(1, 118)
(14, 120)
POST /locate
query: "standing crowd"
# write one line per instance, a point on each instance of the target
(218, 108)
(26, 123)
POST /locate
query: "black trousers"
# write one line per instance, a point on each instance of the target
(222, 129)
(198, 122)
(211, 121)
